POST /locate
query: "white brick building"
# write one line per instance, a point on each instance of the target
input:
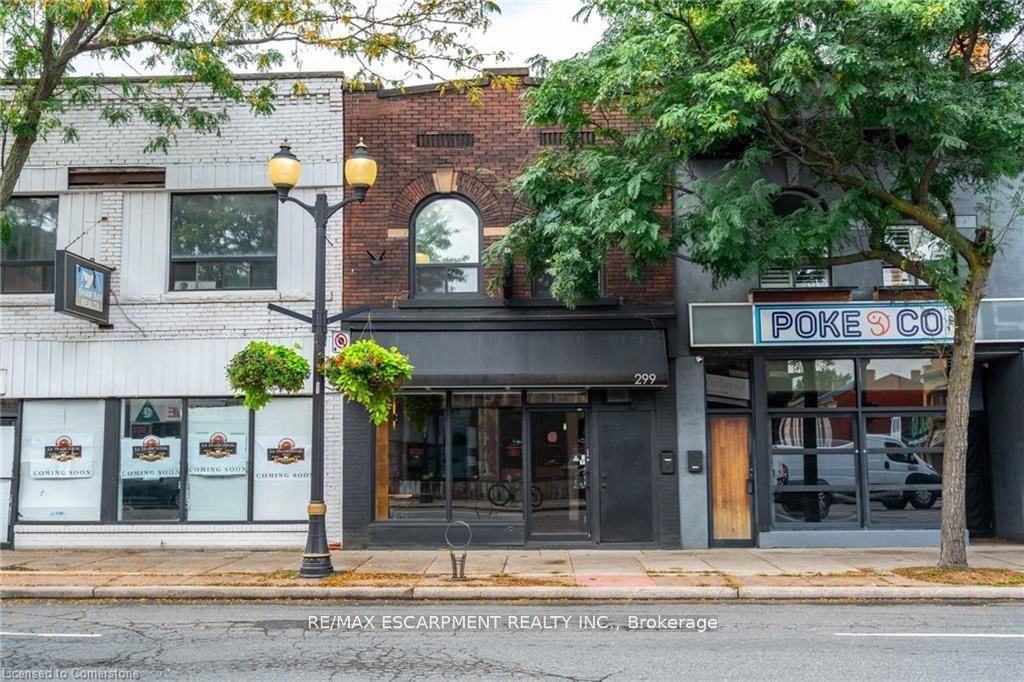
(189, 289)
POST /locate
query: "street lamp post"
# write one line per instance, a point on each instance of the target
(360, 172)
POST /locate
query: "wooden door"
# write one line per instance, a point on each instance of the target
(730, 470)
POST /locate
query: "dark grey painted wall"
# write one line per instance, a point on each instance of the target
(1004, 384)
(357, 477)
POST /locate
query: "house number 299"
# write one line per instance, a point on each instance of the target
(644, 378)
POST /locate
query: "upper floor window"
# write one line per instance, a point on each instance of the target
(798, 278)
(789, 201)
(446, 244)
(224, 241)
(542, 285)
(26, 264)
(915, 243)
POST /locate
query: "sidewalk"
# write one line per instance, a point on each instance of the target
(506, 574)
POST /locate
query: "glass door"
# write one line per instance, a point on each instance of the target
(559, 477)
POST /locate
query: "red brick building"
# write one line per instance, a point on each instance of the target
(514, 397)
(427, 145)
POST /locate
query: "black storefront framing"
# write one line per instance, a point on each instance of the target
(536, 351)
(116, 419)
(533, 494)
(764, 491)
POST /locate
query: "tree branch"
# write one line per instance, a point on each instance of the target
(924, 188)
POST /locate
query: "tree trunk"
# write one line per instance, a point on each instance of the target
(13, 164)
(28, 131)
(953, 551)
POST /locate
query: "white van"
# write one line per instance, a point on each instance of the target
(840, 470)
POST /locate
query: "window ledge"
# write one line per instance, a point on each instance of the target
(800, 295)
(413, 303)
(26, 300)
(226, 296)
(603, 302)
(453, 302)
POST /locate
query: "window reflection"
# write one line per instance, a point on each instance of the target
(810, 383)
(27, 253)
(727, 382)
(812, 432)
(446, 243)
(487, 455)
(411, 460)
(905, 431)
(822, 506)
(150, 472)
(905, 382)
(223, 241)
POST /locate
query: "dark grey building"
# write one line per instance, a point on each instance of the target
(816, 399)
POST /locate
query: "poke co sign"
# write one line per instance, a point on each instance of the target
(853, 323)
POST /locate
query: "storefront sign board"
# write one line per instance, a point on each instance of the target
(854, 323)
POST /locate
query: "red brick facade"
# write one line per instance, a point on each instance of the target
(407, 174)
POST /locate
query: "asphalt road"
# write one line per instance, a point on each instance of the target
(275, 641)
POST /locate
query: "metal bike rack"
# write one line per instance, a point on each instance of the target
(458, 564)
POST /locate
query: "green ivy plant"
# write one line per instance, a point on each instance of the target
(262, 367)
(367, 373)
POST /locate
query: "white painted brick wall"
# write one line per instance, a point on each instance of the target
(313, 125)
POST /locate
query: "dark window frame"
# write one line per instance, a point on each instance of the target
(173, 260)
(415, 268)
(447, 394)
(6, 263)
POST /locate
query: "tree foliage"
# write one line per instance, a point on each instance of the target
(891, 105)
(890, 109)
(50, 45)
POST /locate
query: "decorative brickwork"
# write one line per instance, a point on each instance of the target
(391, 124)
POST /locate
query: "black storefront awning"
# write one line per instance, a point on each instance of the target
(521, 359)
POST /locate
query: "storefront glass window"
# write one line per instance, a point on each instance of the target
(557, 397)
(810, 383)
(411, 460)
(835, 506)
(727, 383)
(812, 433)
(150, 472)
(905, 468)
(904, 382)
(218, 461)
(61, 460)
(281, 469)
(888, 431)
(487, 455)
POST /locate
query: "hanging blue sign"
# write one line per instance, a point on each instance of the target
(853, 323)
(82, 288)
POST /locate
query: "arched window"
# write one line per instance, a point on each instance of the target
(446, 247)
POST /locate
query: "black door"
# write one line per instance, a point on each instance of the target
(624, 464)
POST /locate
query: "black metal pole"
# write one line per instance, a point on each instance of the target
(316, 559)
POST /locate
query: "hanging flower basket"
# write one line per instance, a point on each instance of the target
(368, 374)
(261, 367)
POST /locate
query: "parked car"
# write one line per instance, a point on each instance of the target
(838, 471)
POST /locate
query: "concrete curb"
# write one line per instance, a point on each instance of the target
(880, 592)
(497, 593)
(46, 592)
